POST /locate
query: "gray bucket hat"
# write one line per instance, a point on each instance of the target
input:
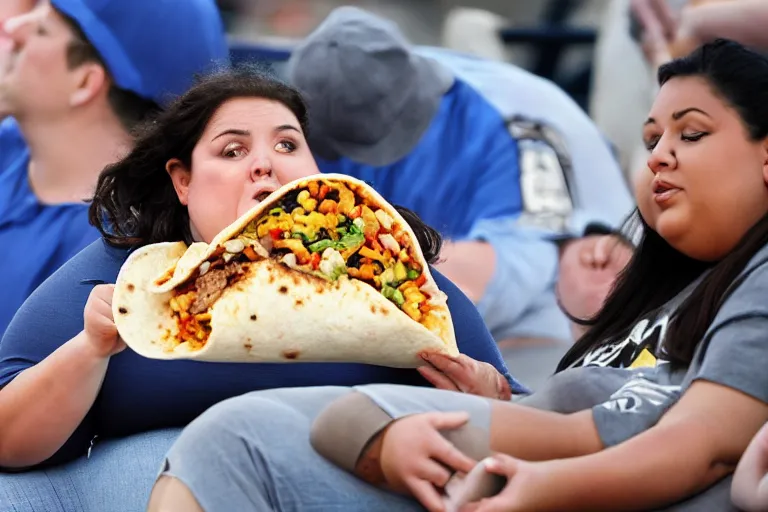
(370, 97)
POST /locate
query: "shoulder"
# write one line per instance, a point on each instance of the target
(746, 295)
(60, 299)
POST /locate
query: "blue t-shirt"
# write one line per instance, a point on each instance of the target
(463, 169)
(36, 239)
(141, 394)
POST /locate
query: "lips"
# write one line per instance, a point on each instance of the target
(663, 191)
(262, 193)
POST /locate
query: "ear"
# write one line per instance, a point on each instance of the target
(764, 156)
(180, 176)
(89, 80)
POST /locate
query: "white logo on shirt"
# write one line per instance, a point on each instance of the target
(638, 391)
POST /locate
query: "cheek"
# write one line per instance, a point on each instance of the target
(213, 201)
(644, 197)
(295, 168)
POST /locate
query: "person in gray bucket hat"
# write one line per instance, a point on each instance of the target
(426, 137)
(371, 97)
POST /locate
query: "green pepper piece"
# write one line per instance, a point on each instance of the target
(320, 245)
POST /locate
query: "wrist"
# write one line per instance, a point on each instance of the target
(88, 348)
(368, 467)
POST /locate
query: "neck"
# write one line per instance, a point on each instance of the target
(68, 154)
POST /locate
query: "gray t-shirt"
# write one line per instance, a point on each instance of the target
(628, 401)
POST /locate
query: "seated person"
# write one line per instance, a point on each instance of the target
(76, 76)
(488, 179)
(202, 164)
(677, 417)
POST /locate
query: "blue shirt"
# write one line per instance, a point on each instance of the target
(520, 299)
(140, 394)
(463, 169)
(36, 239)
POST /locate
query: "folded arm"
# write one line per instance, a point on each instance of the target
(699, 441)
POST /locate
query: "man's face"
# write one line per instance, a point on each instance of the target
(34, 77)
(588, 269)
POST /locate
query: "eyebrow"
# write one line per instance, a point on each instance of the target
(232, 131)
(679, 115)
(246, 133)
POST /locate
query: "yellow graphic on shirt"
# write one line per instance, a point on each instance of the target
(645, 360)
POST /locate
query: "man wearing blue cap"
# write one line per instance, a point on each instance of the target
(75, 77)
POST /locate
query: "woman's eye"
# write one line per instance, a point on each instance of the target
(693, 137)
(234, 151)
(650, 144)
(285, 146)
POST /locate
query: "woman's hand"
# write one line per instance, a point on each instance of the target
(516, 495)
(417, 459)
(100, 329)
(465, 375)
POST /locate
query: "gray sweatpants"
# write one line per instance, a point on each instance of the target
(253, 453)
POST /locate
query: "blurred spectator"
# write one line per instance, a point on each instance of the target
(637, 36)
(429, 140)
(78, 75)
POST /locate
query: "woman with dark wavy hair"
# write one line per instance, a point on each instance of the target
(655, 404)
(65, 374)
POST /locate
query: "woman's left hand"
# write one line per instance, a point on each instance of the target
(520, 492)
(465, 375)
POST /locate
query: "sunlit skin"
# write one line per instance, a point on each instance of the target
(702, 163)
(250, 148)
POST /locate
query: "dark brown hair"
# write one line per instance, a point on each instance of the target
(135, 203)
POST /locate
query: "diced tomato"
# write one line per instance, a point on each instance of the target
(421, 280)
(315, 260)
(355, 212)
(324, 189)
(276, 233)
(375, 245)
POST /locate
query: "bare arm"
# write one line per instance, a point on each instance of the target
(743, 21)
(470, 265)
(44, 405)
(532, 434)
(696, 443)
(750, 482)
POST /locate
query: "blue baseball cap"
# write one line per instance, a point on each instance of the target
(153, 48)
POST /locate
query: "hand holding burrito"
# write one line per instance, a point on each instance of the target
(322, 270)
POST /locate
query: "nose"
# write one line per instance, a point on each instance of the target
(260, 167)
(17, 28)
(662, 157)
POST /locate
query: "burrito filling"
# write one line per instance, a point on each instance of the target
(323, 229)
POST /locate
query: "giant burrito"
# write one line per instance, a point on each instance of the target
(323, 269)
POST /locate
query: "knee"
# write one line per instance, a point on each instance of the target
(250, 419)
(170, 495)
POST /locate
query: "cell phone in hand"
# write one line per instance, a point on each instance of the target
(463, 488)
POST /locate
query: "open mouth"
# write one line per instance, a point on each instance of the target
(262, 195)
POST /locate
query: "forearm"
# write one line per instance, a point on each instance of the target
(750, 481)
(670, 466)
(742, 21)
(42, 406)
(533, 434)
(470, 265)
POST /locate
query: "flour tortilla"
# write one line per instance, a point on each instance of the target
(274, 313)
